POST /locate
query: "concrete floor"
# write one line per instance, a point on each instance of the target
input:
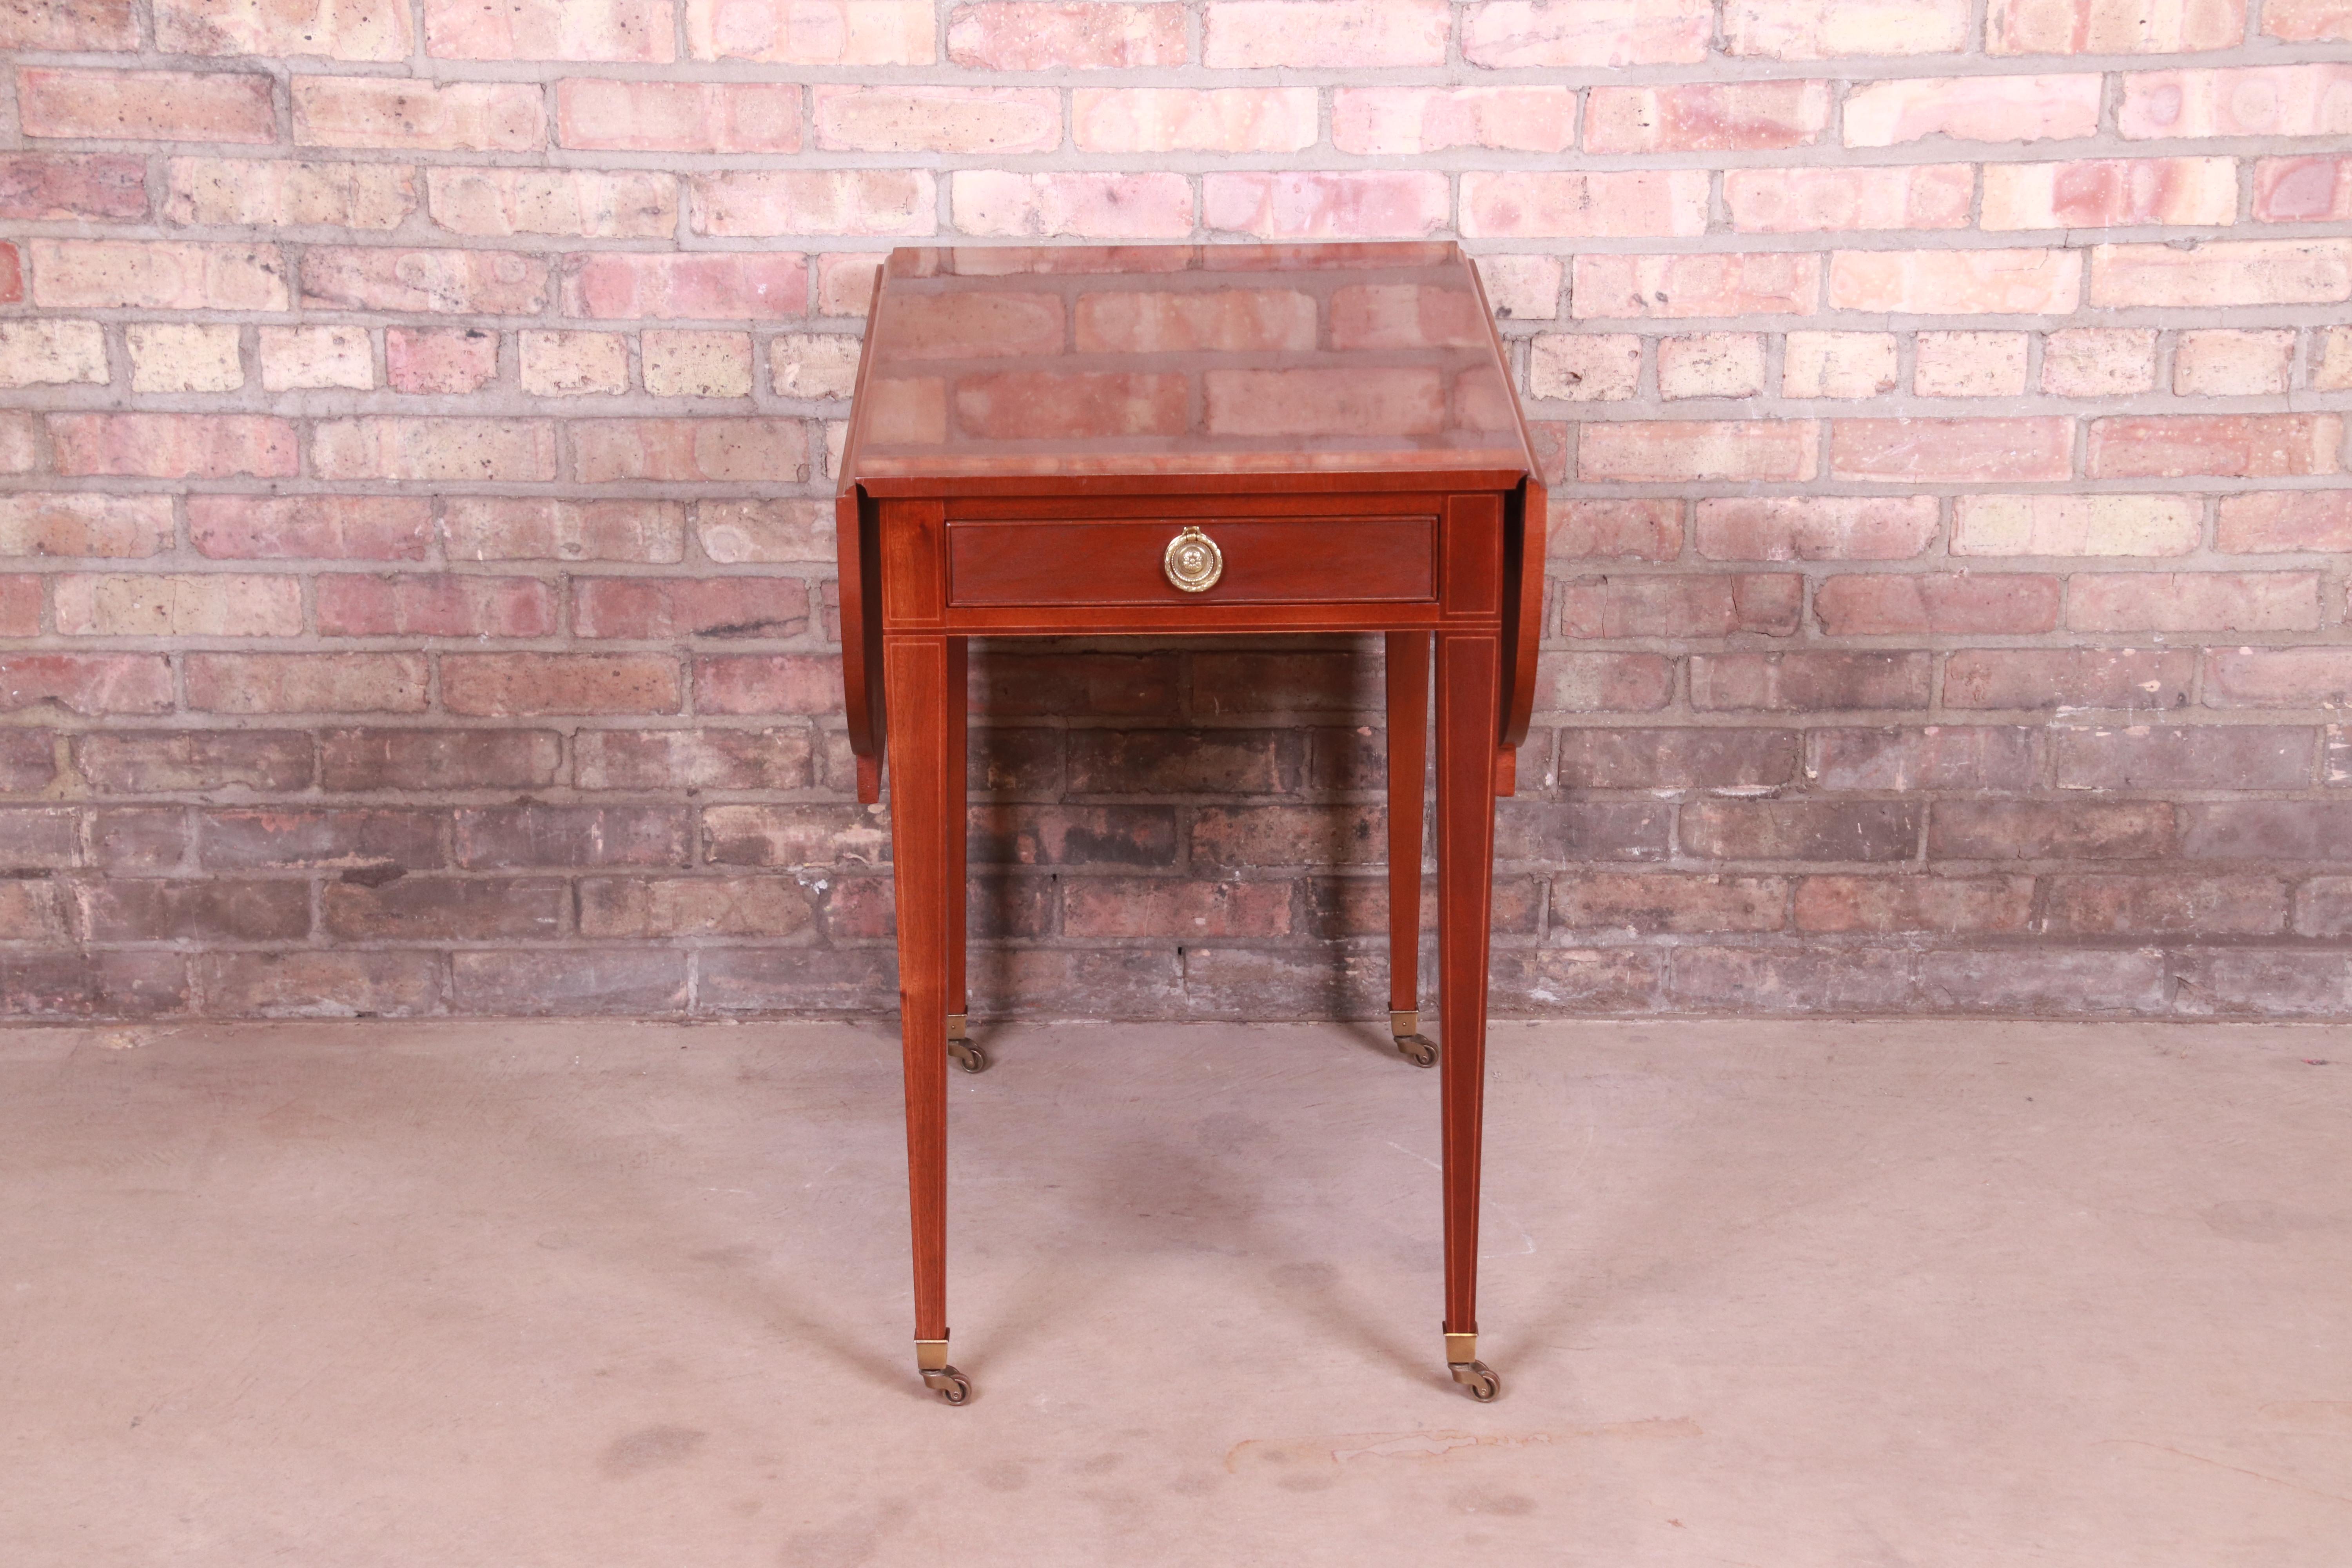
(600, 1295)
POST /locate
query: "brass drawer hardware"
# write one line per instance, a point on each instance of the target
(1194, 562)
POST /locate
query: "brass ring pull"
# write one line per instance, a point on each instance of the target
(1194, 562)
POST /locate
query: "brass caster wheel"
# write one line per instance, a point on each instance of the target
(1477, 1377)
(970, 1057)
(953, 1387)
(1418, 1049)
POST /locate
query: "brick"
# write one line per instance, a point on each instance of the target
(696, 364)
(1669, 451)
(307, 682)
(1954, 282)
(620, 982)
(1142, 835)
(2051, 830)
(207, 604)
(1411, 121)
(730, 286)
(1107, 906)
(1707, 285)
(1837, 364)
(669, 607)
(358, 605)
(402, 112)
(1545, 983)
(1621, 529)
(705, 758)
(2278, 677)
(38, 839)
(12, 275)
(2293, 830)
(1015, 405)
(449, 360)
(47, 354)
(214, 910)
(2107, 193)
(1343, 204)
(357, 761)
(1025, 35)
(1711, 364)
(2037, 984)
(1616, 758)
(2150, 757)
(299, 358)
(740, 533)
(1545, 203)
(20, 606)
(1937, 757)
(2113, 26)
(1342, 35)
(2323, 907)
(813, 32)
(572, 364)
(1952, 451)
(2099, 361)
(2224, 363)
(540, 528)
(175, 445)
(815, 365)
(926, 119)
(532, 683)
(1549, 833)
(182, 356)
(1864, 830)
(304, 984)
(28, 760)
(20, 451)
(651, 906)
(2264, 984)
(67, 185)
(1585, 367)
(1583, 34)
(1289, 836)
(2077, 525)
(2254, 100)
(2302, 21)
(690, 451)
(88, 684)
(2221, 273)
(1912, 903)
(149, 761)
(332, 29)
(806, 835)
(316, 838)
(2233, 446)
(146, 106)
(328, 528)
(444, 908)
(2302, 190)
(1292, 682)
(1398, 401)
(1652, 903)
(289, 193)
(2194, 601)
(2111, 905)
(595, 204)
(1970, 364)
(1801, 682)
(1816, 528)
(1522, 288)
(1937, 603)
(1169, 762)
(138, 840)
(677, 115)
(1605, 682)
(387, 278)
(1973, 109)
(756, 980)
(1821, 29)
(92, 25)
(508, 838)
(630, 30)
(1813, 201)
(2270, 522)
(69, 274)
(1679, 606)
(379, 447)
(758, 202)
(2067, 677)
(1695, 117)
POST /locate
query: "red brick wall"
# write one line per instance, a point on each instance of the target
(412, 420)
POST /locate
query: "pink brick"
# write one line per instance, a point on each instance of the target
(1585, 367)
(2303, 190)
(1605, 683)
(308, 682)
(1675, 605)
(1970, 364)
(73, 185)
(766, 683)
(391, 278)
(2193, 602)
(1080, 405)
(592, 203)
(764, 201)
(2077, 525)
(669, 607)
(1365, 204)
(1837, 364)
(2099, 361)
(1405, 316)
(454, 361)
(1937, 603)
(1395, 401)
(1529, 203)
(2270, 522)
(977, 325)
(1816, 528)
(2221, 364)
(574, 364)
(2222, 273)
(1342, 35)
(2103, 193)
(1620, 530)
(1822, 29)
(632, 30)
(1973, 109)
(690, 451)
(210, 604)
(334, 29)
(69, 25)
(2252, 100)
(1956, 282)
(80, 523)
(1807, 201)
(1653, 451)
(290, 191)
(2307, 21)
(379, 447)
(519, 528)
(88, 684)
(522, 684)
(397, 111)
(2113, 26)
(1711, 364)
(1193, 119)
(175, 445)
(2331, 361)
(677, 115)
(1000, 202)
(1585, 33)
(1705, 117)
(312, 528)
(813, 32)
(2230, 446)
(2278, 677)
(434, 604)
(844, 281)
(1952, 451)
(921, 119)
(1709, 285)
(1414, 120)
(146, 106)
(71, 273)
(1522, 288)
(1226, 320)
(1042, 35)
(730, 286)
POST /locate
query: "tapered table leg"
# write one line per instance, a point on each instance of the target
(926, 801)
(1469, 697)
(969, 1056)
(1408, 735)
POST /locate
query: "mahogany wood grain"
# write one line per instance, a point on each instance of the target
(1121, 562)
(1469, 694)
(926, 774)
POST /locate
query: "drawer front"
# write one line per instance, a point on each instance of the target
(1323, 560)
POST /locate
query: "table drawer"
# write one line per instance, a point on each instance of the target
(1323, 560)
